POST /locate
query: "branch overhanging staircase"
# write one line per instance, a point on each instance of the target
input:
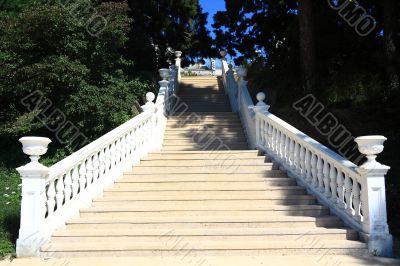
(201, 171)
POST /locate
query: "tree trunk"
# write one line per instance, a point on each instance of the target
(307, 46)
(390, 25)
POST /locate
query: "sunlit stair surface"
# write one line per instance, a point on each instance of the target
(204, 193)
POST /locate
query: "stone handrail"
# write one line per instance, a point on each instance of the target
(51, 196)
(354, 193)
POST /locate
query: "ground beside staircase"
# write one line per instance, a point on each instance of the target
(205, 193)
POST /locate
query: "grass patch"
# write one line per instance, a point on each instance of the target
(10, 195)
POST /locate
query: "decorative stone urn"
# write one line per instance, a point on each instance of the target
(164, 73)
(241, 71)
(370, 146)
(223, 54)
(178, 54)
(34, 147)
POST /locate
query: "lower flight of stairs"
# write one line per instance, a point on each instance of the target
(199, 198)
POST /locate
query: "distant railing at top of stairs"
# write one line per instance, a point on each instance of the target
(354, 193)
(51, 196)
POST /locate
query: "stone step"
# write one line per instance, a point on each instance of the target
(225, 234)
(160, 248)
(194, 204)
(207, 148)
(200, 120)
(164, 178)
(207, 156)
(186, 134)
(246, 185)
(205, 163)
(201, 184)
(214, 192)
(207, 115)
(202, 125)
(209, 222)
(268, 210)
(238, 152)
(205, 140)
(200, 170)
(212, 108)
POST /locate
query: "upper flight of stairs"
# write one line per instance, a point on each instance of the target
(204, 193)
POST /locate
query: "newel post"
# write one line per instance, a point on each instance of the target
(242, 73)
(178, 64)
(232, 88)
(33, 203)
(260, 108)
(373, 196)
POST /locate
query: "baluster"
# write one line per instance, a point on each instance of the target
(320, 174)
(113, 155)
(308, 167)
(302, 162)
(118, 151)
(327, 181)
(123, 148)
(264, 133)
(89, 171)
(291, 154)
(68, 186)
(287, 150)
(60, 191)
(102, 162)
(273, 140)
(107, 157)
(134, 146)
(270, 140)
(82, 177)
(51, 194)
(314, 171)
(340, 189)
(278, 144)
(333, 184)
(356, 200)
(297, 158)
(347, 193)
(75, 181)
(282, 146)
(96, 166)
(129, 146)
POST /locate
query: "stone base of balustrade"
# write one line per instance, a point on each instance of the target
(378, 245)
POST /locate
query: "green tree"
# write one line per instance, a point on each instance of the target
(46, 48)
(158, 25)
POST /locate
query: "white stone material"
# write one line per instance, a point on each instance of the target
(373, 196)
(51, 196)
(223, 54)
(355, 194)
(178, 64)
(33, 203)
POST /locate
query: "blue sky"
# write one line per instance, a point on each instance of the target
(211, 7)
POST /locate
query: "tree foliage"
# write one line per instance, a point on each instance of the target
(160, 24)
(350, 68)
(45, 48)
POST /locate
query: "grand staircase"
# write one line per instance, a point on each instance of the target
(205, 193)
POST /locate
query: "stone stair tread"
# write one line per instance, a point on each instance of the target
(175, 179)
(206, 245)
(173, 208)
(202, 219)
(204, 199)
(202, 232)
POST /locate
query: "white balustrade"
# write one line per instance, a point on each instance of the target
(51, 196)
(354, 193)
